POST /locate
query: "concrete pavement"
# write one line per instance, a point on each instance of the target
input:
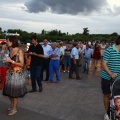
(68, 100)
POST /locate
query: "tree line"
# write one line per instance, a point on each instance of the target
(54, 35)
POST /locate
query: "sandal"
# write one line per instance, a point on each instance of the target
(12, 112)
(10, 108)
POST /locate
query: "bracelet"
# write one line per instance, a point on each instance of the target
(13, 62)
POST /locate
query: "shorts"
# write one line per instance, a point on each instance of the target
(67, 61)
(105, 85)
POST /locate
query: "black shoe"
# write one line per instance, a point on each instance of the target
(31, 91)
(71, 78)
(40, 89)
(84, 71)
(79, 78)
(45, 80)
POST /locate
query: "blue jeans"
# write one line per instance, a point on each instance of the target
(86, 64)
(54, 66)
(35, 76)
(67, 61)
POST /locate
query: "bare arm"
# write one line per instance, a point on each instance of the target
(21, 59)
(104, 66)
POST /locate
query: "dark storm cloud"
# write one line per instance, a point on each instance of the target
(65, 6)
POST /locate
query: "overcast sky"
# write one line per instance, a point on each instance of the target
(100, 16)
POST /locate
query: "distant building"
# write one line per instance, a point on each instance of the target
(12, 34)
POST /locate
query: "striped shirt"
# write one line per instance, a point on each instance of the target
(112, 57)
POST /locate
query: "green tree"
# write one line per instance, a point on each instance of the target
(54, 33)
(43, 32)
(85, 31)
(0, 30)
(114, 34)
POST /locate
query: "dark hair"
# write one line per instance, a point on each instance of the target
(33, 37)
(75, 44)
(14, 41)
(118, 41)
(3, 43)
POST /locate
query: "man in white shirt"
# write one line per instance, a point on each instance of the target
(62, 52)
(74, 66)
(45, 66)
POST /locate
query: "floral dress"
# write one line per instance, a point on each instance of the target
(15, 85)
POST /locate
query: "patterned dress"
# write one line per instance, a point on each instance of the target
(15, 85)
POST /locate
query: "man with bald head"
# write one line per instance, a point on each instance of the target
(54, 63)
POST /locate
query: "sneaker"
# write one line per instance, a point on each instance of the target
(63, 71)
(106, 117)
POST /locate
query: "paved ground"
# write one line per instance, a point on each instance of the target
(68, 100)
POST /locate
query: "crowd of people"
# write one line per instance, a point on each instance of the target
(53, 59)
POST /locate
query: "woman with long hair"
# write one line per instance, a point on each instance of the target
(15, 85)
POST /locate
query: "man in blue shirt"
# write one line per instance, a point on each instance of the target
(74, 67)
(54, 63)
(87, 55)
(46, 60)
(110, 71)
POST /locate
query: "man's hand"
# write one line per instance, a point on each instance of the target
(113, 75)
(75, 62)
(34, 54)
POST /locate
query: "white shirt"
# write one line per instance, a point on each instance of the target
(64, 47)
(75, 53)
(46, 50)
(62, 52)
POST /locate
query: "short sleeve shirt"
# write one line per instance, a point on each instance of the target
(35, 60)
(112, 57)
(62, 52)
(88, 53)
(75, 53)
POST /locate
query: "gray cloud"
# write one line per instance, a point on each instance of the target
(65, 6)
(11, 1)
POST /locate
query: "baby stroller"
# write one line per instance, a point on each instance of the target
(115, 101)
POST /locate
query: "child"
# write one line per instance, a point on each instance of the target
(117, 107)
(28, 59)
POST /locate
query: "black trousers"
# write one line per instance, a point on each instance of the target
(45, 67)
(74, 68)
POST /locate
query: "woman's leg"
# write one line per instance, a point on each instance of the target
(96, 61)
(65, 64)
(15, 102)
(14, 108)
(11, 101)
